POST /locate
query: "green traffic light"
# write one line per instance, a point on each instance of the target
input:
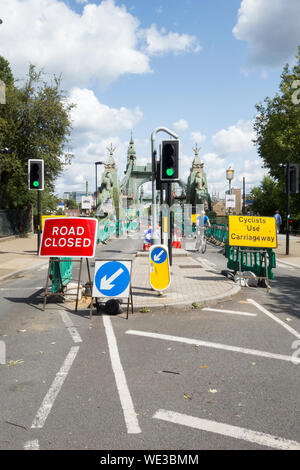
(36, 184)
(170, 171)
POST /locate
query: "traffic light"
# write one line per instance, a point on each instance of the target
(169, 168)
(294, 178)
(36, 174)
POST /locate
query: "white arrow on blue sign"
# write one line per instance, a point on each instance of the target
(158, 255)
(111, 279)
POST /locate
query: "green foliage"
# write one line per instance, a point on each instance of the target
(71, 204)
(267, 197)
(277, 127)
(34, 123)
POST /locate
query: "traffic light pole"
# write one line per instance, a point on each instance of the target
(155, 234)
(170, 237)
(287, 239)
(39, 221)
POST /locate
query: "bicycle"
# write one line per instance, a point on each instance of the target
(201, 240)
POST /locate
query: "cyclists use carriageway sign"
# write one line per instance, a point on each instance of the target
(252, 231)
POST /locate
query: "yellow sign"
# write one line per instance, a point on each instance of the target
(49, 217)
(159, 267)
(252, 231)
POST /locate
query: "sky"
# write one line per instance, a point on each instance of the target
(197, 67)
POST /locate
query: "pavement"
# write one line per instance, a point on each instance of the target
(192, 281)
(18, 254)
(293, 259)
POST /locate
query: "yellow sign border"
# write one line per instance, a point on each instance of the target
(258, 221)
(44, 217)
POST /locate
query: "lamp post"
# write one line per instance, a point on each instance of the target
(96, 203)
(229, 177)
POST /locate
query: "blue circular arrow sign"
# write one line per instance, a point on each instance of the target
(158, 255)
(112, 278)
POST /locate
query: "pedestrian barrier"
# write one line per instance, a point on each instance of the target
(218, 232)
(243, 259)
(60, 274)
(251, 260)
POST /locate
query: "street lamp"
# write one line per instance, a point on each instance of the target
(229, 177)
(97, 163)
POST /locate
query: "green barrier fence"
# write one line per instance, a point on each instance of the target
(254, 260)
(60, 273)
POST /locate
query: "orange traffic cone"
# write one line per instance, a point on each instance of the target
(178, 239)
(174, 243)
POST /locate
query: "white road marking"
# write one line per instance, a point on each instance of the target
(130, 416)
(264, 310)
(70, 327)
(283, 265)
(54, 390)
(227, 430)
(209, 344)
(229, 311)
(21, 288)
(32, 445)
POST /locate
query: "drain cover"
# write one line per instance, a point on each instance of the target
(191, 266)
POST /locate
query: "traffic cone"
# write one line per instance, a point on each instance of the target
(174, 242)
(178, 239)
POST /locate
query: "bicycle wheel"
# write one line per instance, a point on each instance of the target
(203, 245)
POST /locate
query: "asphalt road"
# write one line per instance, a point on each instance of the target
(178, 379)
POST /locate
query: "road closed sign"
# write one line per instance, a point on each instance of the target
(159, 267)
(252, 231)
(73, 237)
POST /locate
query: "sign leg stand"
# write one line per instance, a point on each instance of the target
(91, 287)
(46, 288)
(78, 285)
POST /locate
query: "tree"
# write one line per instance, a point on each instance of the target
(277, 127)
(267, 197)
(71, 204)
(34, 123)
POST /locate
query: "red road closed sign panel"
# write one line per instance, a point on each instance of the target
(73, 237)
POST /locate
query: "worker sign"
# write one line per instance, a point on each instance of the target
(112, 278)
(159, 267)
(73, 237)
(252, 231)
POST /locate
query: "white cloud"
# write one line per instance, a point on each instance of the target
(198, 137)
(181, 125)
(92, 117)
(102, 43)
(95, 127)
(236, 138)
(159, 42)
(271, 28)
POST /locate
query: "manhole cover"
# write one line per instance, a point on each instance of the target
(191, 266)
